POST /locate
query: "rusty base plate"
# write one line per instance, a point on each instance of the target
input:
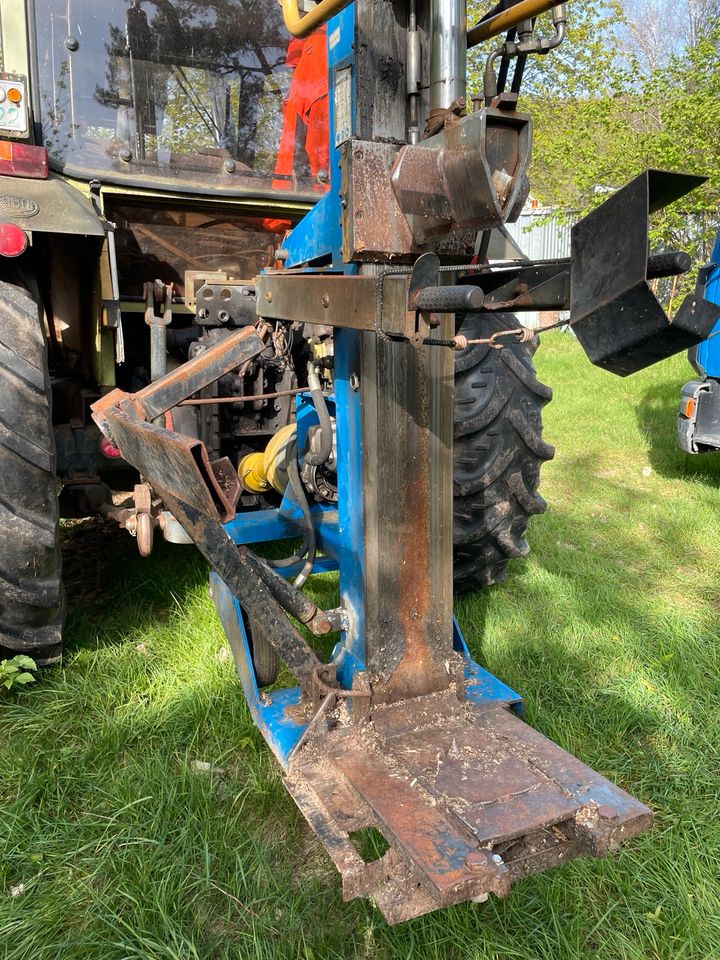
(469, 799)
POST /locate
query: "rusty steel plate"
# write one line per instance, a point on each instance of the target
(333, 300)
(469, 799)
(176, 464)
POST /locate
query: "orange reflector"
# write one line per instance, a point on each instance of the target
(14, 95)
(689, 408)
(6, 150)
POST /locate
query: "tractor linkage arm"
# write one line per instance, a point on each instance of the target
(201, 494)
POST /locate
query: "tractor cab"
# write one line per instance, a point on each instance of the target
(169, 95)
(163, 108)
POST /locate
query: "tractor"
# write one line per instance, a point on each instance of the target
(698, 419)
(268, 284)
(149, 151)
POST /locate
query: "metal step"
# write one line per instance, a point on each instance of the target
(469, 799)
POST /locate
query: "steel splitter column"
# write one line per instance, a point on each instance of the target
(407, 404)
(407, 417)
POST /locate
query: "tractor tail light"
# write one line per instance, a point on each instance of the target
(13, 240)
(108, 449)
(689, 408)
(23, 160)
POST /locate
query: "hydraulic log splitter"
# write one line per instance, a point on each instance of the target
(400, 729)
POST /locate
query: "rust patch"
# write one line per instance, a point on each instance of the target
(469, 798)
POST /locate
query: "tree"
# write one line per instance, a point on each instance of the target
(655, 30)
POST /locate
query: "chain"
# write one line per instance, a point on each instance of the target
(459, 342)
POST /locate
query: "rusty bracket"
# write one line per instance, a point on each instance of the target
(169, 460)
(176, 463)
(334, 300)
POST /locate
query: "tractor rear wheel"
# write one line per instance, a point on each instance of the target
(31, 596)
(498, 452)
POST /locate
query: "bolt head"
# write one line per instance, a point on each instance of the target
(476, 861)
(72, 43)
(606, 812)
(229, 166)
(125, 154)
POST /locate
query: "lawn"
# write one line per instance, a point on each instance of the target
(609, 630)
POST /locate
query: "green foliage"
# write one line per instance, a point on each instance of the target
(16, 672)
(684, 99)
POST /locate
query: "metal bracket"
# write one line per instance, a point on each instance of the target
(171, 461)
(220, 304)
(467, 177)
(440, 192)
(617, 318)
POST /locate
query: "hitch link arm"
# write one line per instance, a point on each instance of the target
(162, 395)
(196, 492)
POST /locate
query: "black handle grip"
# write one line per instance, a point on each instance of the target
(670, 264)
(458, 299)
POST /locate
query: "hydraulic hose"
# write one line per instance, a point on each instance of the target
(308, 547)
(293, 559)
(326, 431)
(309, 537)
(301, 553)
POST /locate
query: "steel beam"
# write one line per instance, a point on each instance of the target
(407, 399)
(334, 300)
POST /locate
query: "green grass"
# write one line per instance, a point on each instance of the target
(609, 630)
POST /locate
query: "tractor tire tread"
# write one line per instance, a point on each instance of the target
(498, 453)
(31, 594)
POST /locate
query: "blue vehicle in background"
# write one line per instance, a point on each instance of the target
(698, 422)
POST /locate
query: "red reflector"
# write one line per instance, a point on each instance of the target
(13, 241)
(23, 160)
(108, 449)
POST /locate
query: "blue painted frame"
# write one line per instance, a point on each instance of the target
(707, 353)
(317, 241)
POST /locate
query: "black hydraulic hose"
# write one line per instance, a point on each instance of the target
(326, 431)
(505, 63)
(296, 482)
(519, 73)
(300, 554)
(293, 559)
